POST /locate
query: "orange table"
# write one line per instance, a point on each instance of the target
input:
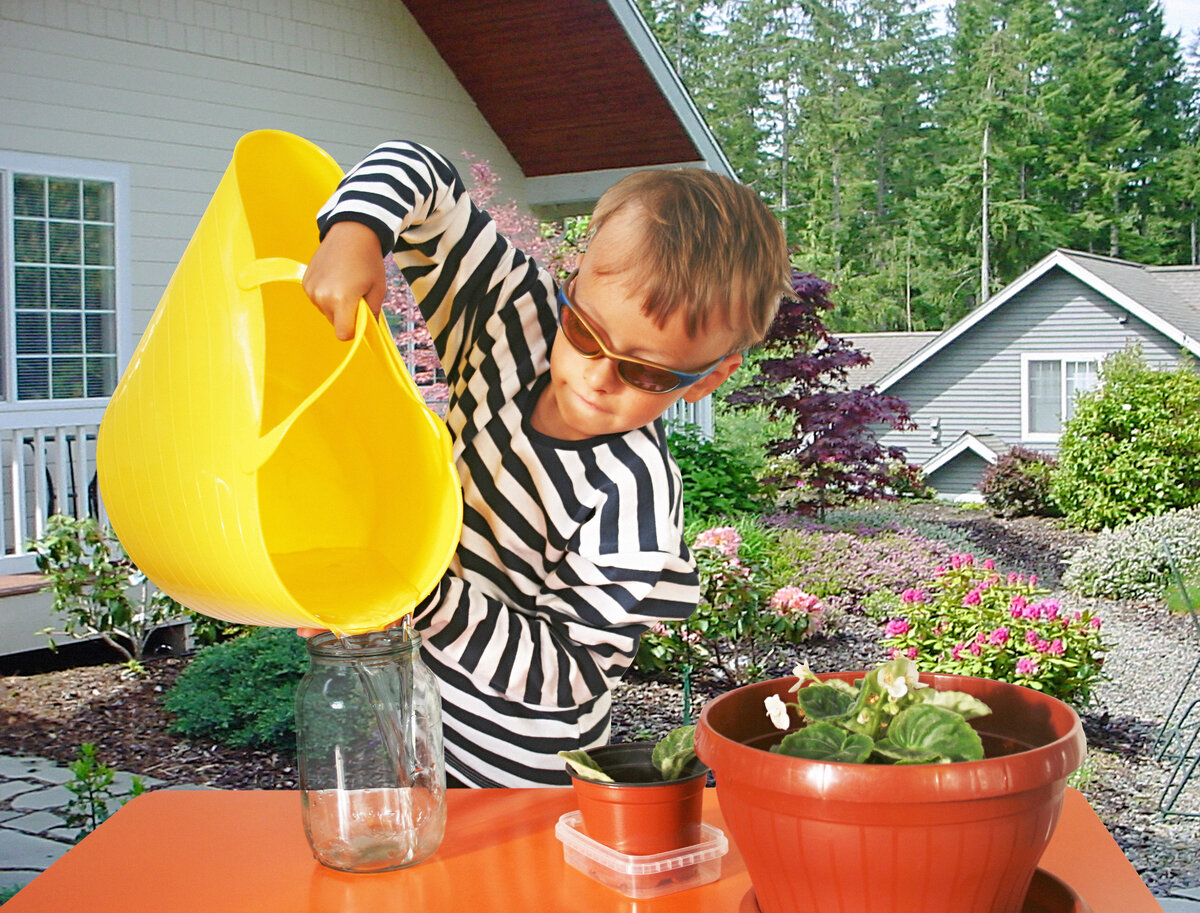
(244, 852)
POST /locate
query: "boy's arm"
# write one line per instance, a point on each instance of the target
(579, 638)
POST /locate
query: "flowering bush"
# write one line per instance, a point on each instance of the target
(832, 564)
(970, 620)
(1131, 562)
(741, 620)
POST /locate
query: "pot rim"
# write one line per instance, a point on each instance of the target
(698, 768)
(1021, 771)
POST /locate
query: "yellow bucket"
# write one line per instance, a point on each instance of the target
(254, 467)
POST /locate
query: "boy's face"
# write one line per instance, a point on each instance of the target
(585, 397)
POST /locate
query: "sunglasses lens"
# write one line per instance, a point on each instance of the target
(645, 377)
(578, 334)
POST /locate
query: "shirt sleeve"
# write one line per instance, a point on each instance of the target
(468, 279)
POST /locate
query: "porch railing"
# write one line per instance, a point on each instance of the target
(47, 466)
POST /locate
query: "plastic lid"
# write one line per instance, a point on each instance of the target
(570, 831)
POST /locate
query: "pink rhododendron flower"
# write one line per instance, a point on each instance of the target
(972, 598)
(1057, 647)
(999, 637)
(1031, 637)
(957, 651)
(912, 595)
(896, 627)
(989, 564)
(1095, 623)
(975, 648)
(1026, 666)
(1050, 608)
(724, 539)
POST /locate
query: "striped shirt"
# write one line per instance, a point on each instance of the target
(569, 549)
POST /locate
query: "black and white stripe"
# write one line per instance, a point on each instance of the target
(570, 549)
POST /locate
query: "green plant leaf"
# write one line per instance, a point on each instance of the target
(826, 742)
(959, 702)
(581, 762)
(934, 730)
(899, 755)
(675, 751)
(825, 702)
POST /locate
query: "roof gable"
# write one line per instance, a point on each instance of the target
(1166, 298)
(571, 88)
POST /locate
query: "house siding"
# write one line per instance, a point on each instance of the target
(974, 384)
(959, 477)
(168, 86)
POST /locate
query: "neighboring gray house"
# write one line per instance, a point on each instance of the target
(1007, 373)
(118, 118)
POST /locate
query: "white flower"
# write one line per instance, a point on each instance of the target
(898, 676)
(777, 711)
(802, 673)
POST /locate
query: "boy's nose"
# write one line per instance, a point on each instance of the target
(601, 373)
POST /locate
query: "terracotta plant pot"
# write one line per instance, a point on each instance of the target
(641, 813)
(828, 837)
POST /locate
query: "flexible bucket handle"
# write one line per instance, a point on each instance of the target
(282, 269)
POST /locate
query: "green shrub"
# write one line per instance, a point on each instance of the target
(967, 619)
(718, 480)
(1132, 448)
(1018, 485)
(1131, 562)
(242, 692)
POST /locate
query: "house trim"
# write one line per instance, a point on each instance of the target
(1061, 259)
(672, 86)
(966, 441)
(1044, 437)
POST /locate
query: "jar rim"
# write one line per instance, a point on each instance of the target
(369, 644)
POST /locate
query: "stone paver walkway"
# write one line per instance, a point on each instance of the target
(33, 836)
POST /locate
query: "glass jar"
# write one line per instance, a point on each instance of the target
(369, 745)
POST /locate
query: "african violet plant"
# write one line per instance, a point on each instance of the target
(671, 755)
(887, 717)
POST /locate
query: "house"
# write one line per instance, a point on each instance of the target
(1007, 373)
(120, 116)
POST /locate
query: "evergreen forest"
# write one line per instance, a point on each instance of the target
(921, 158)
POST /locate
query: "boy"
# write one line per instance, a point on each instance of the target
(572, 541)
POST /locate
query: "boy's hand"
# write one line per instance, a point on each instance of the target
(346, 267)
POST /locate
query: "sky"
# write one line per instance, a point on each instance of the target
(1181, 16)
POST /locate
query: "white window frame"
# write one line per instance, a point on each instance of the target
(118, 175)
(1043, 437)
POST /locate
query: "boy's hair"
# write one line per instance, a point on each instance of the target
(711, 246)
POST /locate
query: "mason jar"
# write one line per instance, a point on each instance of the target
(369, 746)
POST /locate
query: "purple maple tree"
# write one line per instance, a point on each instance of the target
(832, 451)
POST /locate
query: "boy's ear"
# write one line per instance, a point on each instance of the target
(719, 375)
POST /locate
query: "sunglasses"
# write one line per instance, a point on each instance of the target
(641, 375)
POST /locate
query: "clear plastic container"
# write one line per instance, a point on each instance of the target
(642, 877)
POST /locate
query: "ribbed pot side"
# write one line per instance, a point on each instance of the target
(826, 837)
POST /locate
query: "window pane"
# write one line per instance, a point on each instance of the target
(65, 243)
(29, 195)
(1081, 377)
(100, 336)
(31, 333)
(1045, 397)
(66, 288)
(66, 378)
(33, 378)
(66, 334)
(101, 376)
(98, 201)
(30, 240)
(98, 245)
(99, 289)
(64, 199)
(30, 286)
